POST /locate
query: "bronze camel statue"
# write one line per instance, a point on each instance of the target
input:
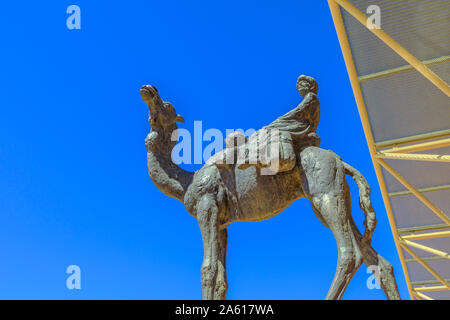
(219, 194)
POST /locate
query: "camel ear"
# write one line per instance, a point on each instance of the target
(179, 119)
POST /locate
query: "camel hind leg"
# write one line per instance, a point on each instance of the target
(333, 209)
(382, 269)
(324, 183)
(384, 272)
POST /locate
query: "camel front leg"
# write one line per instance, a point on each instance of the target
(213, 271)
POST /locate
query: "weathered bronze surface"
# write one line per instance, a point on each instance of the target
(218, 195)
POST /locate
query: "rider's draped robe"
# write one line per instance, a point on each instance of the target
(297, 130)
(301, 123)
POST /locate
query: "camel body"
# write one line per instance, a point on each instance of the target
(248, 195)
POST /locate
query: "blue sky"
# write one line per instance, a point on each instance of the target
(74, 187)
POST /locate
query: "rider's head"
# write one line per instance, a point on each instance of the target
(306, 85)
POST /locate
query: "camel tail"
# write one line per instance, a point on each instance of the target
(364, 201)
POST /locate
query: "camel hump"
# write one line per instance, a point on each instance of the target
(267, 148)
(235, 139)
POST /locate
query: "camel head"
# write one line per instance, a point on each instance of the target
(162, 115)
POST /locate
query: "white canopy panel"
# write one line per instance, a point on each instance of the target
(400, 74)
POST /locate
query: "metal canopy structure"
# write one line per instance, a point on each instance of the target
(399, 70)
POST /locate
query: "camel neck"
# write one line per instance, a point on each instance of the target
(166, 175)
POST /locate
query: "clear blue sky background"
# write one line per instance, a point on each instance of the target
(74, 187)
